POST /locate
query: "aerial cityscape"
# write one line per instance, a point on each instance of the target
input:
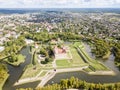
(60, 45)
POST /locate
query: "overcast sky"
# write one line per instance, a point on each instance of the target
(59, 3)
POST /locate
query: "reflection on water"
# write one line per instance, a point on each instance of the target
(28, 85)
(83, 76)
(109, 62)
(91, 78)
(15, 72)
(88, 50)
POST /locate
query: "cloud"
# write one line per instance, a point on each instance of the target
(87, 0)
(117, 1)
(58, 3)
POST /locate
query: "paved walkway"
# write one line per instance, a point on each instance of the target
(46, 78)
(52, 74)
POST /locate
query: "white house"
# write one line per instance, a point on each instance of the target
(2, 48)
(29, 41)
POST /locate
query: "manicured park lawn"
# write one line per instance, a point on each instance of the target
(63, 63)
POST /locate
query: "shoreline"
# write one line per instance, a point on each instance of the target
(101, 73)
(77, 69)
(4, 81)
(51, 73)
(9, 56)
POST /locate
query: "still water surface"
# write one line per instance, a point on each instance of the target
(91, 78)
(15, 72)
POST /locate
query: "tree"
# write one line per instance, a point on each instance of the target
(43, 52)
(13, 58)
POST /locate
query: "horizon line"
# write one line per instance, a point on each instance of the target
(59, 8)
(67, 8)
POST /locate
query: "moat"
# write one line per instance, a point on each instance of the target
(15, 73)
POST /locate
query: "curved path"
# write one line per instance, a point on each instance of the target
(51, 74)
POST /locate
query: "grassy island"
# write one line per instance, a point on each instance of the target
(15, 60)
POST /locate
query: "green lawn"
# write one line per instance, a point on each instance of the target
(3, 80)
(31, 71)
(76, 59)
(99, 66)
(94, 65)
(3, 75)
(43, 73)
(63, 63)
(88, 70)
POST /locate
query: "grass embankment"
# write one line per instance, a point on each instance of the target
(43, 73)
(3, 81)
(30, 71)
(93, 64)
(76, 59)
(33, 68)
(3, 75)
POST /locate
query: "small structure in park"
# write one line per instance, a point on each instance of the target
(2, 48)
(29, 41)
(60, 52)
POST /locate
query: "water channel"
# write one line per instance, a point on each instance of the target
(91, 78)
(15, 73)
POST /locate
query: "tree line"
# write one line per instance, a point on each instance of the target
(75, 83)
(12, 47)
(45, 37)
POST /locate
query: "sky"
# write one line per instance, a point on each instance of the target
(59, 3)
